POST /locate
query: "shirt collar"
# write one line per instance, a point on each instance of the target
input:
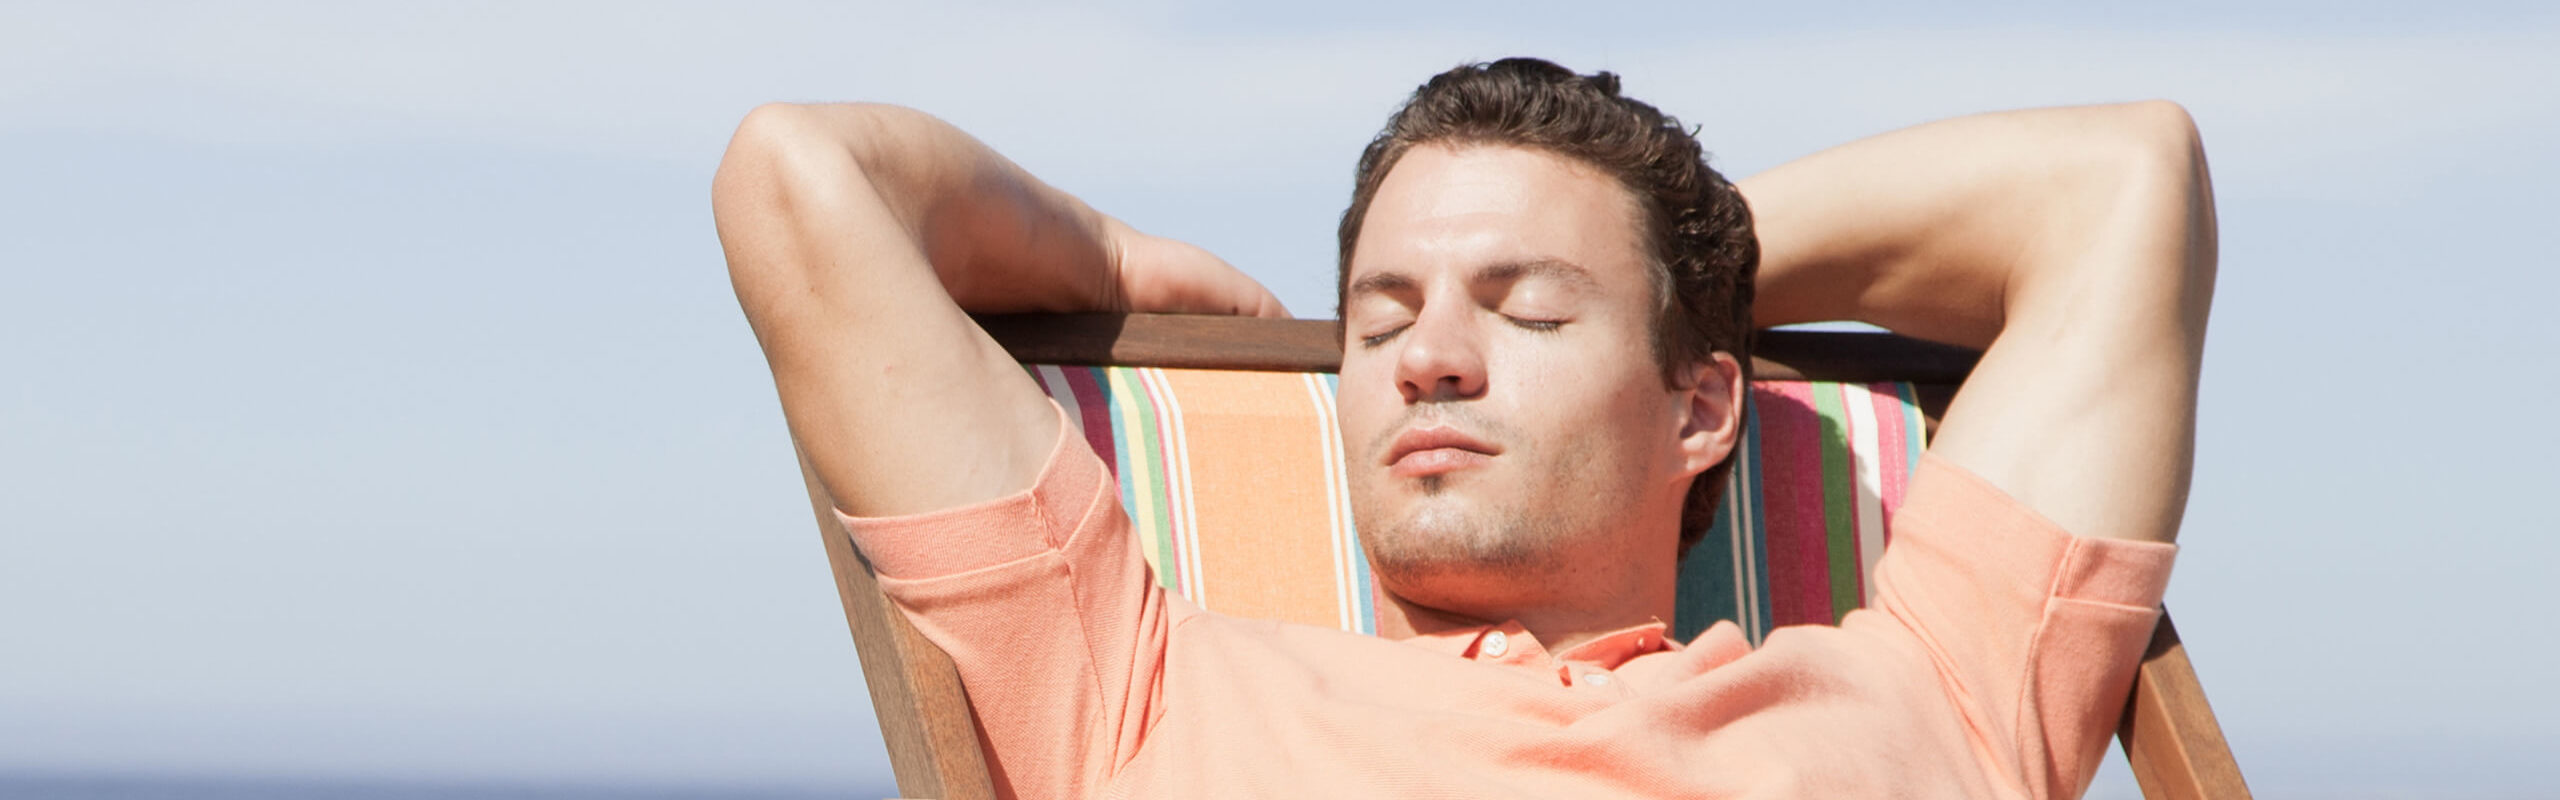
(1611, 649)
(1517, 645)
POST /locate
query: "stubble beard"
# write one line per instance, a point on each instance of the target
(1462, 530)
(1449, 537)
(1475, 529)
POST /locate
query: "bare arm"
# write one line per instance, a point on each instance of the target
(2076, 244)
(858, 238)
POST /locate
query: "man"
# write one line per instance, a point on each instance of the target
(1545, 298)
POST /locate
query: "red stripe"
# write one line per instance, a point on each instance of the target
(1798, 552)
(1096, 410)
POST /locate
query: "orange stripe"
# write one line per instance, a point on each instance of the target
(1257, 468)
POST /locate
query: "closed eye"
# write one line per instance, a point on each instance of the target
(1540, 325)
(1374, 340)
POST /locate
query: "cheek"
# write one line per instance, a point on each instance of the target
(1609, 413)
(1364, 403)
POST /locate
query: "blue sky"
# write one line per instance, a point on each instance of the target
(375, 403)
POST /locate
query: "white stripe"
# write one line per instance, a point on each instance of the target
(1170, 476)
(1749, 564)
(1329, 441)
(1366, 621)
(1132, 403)
(1868, 474)
(1178, 489)
(1733, 492)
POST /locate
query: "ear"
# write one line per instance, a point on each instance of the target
(1711, 421)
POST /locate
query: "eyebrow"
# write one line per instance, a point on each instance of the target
(1555, 269)
(1378, 283)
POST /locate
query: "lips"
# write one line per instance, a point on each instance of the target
(1436, 450)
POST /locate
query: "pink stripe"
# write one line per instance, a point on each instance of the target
(1891, 449)
(1791, 493)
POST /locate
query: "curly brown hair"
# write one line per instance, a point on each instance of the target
(1699, 228)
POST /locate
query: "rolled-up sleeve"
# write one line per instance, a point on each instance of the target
(2035, 633)
(1048, 611)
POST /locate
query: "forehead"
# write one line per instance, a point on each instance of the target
(1464, 206)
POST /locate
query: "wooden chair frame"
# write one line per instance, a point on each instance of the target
(2168, 732)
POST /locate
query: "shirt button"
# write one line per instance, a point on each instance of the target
(1596, 679)
(1495, 644)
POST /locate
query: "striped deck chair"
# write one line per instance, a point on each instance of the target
(1221, 433)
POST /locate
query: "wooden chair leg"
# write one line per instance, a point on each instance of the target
(924, 713)
(2169, 733)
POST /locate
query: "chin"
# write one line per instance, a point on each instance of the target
(1444, 535)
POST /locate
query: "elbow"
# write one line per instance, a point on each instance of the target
(2130, 208)
(2166, 126)
(785, 157)
(2177, 158)
(778, 143)
(798, 184)
(2175, 187)
(786, 167)
(760, 156)
(750, 171)
(2164, 139)
(750, 190)
(2154, 142)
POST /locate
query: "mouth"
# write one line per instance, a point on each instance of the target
(1436, 450)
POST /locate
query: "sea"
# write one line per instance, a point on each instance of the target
(49, 786)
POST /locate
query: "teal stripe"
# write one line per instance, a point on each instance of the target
(1130, 394)
(1706, 591)
(1119, 434)
(1839, 504)
(1914, 429)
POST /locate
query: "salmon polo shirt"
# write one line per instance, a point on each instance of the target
(1992, 662)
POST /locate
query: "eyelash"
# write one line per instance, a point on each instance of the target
(1532, 325)
(1539, 325)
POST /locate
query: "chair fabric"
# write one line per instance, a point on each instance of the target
(1233, 480)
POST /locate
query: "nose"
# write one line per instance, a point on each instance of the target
(1442, 357)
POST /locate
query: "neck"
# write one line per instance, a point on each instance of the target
(1559, 622)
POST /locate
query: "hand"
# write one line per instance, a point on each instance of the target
(1160, 275)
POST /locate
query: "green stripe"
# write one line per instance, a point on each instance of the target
(1146, 444)
(1839, 505)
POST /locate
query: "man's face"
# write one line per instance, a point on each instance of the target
(1507, 428)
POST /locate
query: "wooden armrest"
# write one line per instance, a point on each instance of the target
(2169, 732)
(925, 718)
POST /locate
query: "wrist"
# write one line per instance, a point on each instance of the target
(1113, 289)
